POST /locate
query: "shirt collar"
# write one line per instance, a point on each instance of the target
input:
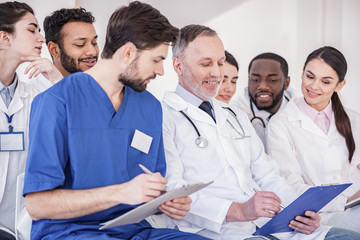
(188, 96)
(12, 86)
(312, 112)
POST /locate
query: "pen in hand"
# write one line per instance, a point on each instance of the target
(147, 171)
(281, 206)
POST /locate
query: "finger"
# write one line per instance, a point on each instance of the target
(300, 227)
(36, 73)
(307, 222)
(182, 200)
(313, 215)
(156, 177)
(179, 206)
(267, 213)
(271, 195)
(32, 72)
(152, 192)
(271, 208)
(173, 212)
(27, 69)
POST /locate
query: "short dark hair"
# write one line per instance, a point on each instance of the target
(231, 60)
(268, 55)
(140, 24)
(56, 21)
(11, 13)
(188, 34)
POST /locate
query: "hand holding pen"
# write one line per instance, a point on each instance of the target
(176, 208)
(281, 206)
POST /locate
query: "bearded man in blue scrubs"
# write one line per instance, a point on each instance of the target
(89, 132)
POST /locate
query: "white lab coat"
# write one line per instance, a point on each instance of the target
(308, 157)
(12, 164)
(242, 101)
(236, 164)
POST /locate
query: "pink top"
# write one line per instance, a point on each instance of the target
(322, 119)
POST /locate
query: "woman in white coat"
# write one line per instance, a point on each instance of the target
(313, 139)
(20, 41)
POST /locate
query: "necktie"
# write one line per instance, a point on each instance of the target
(206, 107)
(5, 94)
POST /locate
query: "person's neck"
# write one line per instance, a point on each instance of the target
(108, 81)
(7, 70)
(59, 66)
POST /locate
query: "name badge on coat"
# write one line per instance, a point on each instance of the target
(10, 142)
(141, 141)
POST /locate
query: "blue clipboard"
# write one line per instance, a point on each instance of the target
(313, 199)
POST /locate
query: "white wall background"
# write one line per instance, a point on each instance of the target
(291, 28)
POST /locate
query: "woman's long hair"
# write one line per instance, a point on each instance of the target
(336, 60)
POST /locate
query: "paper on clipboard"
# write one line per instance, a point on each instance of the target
(140, 213)
(313, 199)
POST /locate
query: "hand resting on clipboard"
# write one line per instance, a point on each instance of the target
(313, 199)
(140, 213)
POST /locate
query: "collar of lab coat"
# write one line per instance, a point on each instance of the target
(17, 102)
(179, 104)
(295, 114)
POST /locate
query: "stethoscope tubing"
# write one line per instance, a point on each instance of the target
(201, 141)
(259, 118)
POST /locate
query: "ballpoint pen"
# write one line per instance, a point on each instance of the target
(281, 206)
(147, 171)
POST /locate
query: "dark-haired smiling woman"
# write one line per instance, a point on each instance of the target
(20, 41)
(316, 141)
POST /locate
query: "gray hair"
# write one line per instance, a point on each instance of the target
(188, 34)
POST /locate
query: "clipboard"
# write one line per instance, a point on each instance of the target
(352, 203)
(140, 213)
(313, 199)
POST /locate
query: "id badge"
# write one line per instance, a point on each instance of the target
(10, 142)
(141, 141)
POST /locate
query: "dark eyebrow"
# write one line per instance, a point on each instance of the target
(315, 75)
(84, 38)
(273, 75)
(34, 24)
(269, 75)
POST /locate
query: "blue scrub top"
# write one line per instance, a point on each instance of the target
(78, 141)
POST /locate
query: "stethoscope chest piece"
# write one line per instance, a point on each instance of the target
(201, 142)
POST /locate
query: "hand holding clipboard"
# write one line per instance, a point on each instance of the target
(313, 199)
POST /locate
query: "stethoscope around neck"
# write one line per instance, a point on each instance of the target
(202, 142)
(259, 118)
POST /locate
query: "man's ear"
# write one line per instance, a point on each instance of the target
(54, 49)
(287, 83)
(177, 66)
(5, 40)
(128, 52)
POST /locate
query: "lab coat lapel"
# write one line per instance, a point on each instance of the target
(220, 114)
(295, 114)
(178, 104)
(17, 103)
